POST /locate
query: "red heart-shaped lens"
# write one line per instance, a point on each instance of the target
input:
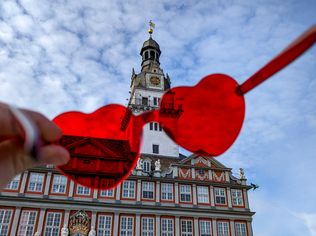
(204, 119)
(104, 145)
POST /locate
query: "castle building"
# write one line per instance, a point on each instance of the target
(167, 194)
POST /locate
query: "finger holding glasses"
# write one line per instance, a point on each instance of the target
(26, 141)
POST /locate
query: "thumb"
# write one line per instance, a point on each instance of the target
(14, 160)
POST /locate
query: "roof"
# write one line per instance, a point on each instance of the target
(150, 43)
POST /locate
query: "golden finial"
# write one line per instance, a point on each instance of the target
(151, 27)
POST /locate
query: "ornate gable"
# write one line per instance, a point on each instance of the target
(99, 162)
(202, 168)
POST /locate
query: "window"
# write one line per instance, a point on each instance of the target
(5, 221)
(36, 182)
(145, 101)
(241, 229)
(205, 228)
(220, 196)
(167, 227)
(146, 166)
(152, 54)
(155, 126)
(82, 190)
(52, 224)
(104, 225)
(166, 191)
(59, 184)
(127, 226)
(147, 226)
(14, 184)
(148, 190)
(237, 197)
(129, 189)
(155, 101)
(185, 193)
(107, 193)
(203, 194)
(155, 148)
(27, 223)
(222, 228)
(146, 55)
(186, 228)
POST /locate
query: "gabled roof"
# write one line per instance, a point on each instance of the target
(212, 160)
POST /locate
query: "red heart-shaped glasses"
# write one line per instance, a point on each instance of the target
(205, 119)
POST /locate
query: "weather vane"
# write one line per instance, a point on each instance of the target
(151, 27)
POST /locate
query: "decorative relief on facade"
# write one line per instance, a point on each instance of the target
(201, 162)
(185, 173)
(79, 224)
(201, 174)
(219, 176)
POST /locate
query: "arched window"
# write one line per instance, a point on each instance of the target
(146, 166)
(152, 55)
(146, 55)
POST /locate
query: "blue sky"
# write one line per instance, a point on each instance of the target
(78, 55)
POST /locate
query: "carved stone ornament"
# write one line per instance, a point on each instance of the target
(157, 165)
(64, 231)
(92, 231)
(139, 165)
(79, 224)
(242, 173)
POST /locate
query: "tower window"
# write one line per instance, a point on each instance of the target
(151, 125)
(146, 55)
(155, 148)
(156, 126)
(152, 55)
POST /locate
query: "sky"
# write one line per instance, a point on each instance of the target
(61, 55)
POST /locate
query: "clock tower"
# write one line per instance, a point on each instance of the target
(147, 88)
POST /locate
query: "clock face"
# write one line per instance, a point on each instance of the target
(155, 81)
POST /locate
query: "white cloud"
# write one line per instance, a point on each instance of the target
(310, 222)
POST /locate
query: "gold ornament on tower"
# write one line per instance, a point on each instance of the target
(151, 27)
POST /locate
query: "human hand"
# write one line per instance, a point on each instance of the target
(13, 157)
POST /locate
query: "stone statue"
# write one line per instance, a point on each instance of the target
(64, 231)
(37, 234)
(92, 231)
(139, 165)
(157, 165)
(242, 173)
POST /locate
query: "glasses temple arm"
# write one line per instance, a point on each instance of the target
(288, 55)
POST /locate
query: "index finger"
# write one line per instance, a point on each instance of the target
(10, 127)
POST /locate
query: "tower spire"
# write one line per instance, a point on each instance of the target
(151, 28)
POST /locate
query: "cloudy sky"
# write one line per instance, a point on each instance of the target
(78, 55)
